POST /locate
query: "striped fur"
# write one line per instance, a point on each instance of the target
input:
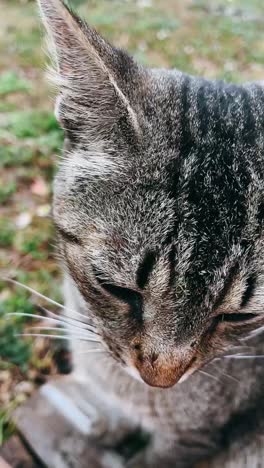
(159, 207)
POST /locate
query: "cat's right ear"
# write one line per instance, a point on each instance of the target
(94, 78)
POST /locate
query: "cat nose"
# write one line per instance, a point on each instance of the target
(158, 373)
(156, 369)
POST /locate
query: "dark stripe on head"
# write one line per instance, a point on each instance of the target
(145, 268)
(186, 135)
(249, 291)
(172, 265)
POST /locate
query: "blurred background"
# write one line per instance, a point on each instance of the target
(213, 38)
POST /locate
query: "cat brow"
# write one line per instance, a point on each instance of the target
(145, 268)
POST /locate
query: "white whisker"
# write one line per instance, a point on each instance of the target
(36, 316)
(254, 333)
(228, 376)
(60, 329)
(57, 320)
(42, 327)
(208, 375)
(71, 333)
(35, 292)
(60, 337)
(238, 356)
(70, 321)
(28, 288)
(95, 350)
(231, 377)
(44, 335)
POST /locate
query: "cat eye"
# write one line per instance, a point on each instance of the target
(124, 294)
(236, 317)
(67, 236)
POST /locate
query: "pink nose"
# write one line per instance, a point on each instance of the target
(159, 375)
(157, 370)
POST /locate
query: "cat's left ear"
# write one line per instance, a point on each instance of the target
(96, 81)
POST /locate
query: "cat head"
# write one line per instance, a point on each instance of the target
(158, 202)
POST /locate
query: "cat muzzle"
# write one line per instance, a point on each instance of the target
(160, 373)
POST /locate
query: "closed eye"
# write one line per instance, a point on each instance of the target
(123, 294)
(127, 295)
(67, 236)
(130, 297)
(236, 317)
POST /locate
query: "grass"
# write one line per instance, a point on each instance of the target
(10, 82)
(220, 39)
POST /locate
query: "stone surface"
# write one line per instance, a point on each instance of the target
(63, 427)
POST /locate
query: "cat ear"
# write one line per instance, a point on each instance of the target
(92, 76)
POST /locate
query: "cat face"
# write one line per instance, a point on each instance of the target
(158, 203)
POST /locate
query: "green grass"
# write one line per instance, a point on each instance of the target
(222, 39)
(30, 123)
(10, 82)
(7, 428)
(14, 350)
(35, 241)
(7, 189)
(7, 233)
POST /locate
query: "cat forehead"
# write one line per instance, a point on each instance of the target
(191, 176)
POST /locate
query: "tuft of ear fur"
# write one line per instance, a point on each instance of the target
(92, 76)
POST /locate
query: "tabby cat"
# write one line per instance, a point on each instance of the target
(158, 205)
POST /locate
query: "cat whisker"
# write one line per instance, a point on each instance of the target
(42, 296)
(56, 337)
(59, 320)
(236, 350)
(208, 375)
(254, 333)
(72, 332)
(71, 321)
(95, 350)
(242, 346)
(231, 377)
(249, 356)
(28, 288)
